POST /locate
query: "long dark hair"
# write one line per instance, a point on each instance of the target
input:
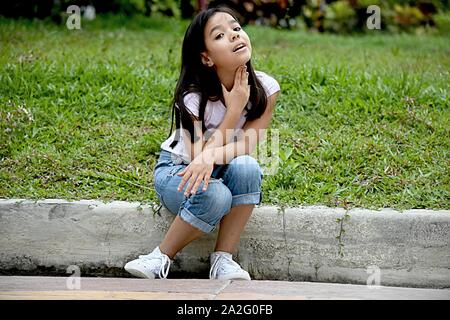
(196, 77)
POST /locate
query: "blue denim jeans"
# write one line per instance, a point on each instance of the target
(232, 184)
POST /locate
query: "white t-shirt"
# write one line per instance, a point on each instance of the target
(214, 114)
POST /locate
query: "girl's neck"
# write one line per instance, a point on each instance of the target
(226, 77)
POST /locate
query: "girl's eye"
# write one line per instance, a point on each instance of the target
(220, 34)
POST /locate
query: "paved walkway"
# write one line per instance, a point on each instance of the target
(49, 288)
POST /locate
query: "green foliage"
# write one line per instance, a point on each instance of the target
(340, 17)
(407, 16)
(166, 6)
(345, 16)
(367, 3)
(313, 14)
(442, 20)
(56, 10)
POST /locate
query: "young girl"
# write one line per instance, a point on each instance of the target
(205, 180)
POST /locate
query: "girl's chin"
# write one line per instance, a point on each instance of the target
(237, 63)
(243, 60)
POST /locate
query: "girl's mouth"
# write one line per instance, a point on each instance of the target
(244, 48)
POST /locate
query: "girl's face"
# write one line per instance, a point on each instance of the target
(223, 35)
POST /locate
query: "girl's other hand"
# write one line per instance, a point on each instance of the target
(238, 97)
(198, 170)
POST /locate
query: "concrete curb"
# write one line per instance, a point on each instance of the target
(409, 248)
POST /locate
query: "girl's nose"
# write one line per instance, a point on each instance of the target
(235, 35)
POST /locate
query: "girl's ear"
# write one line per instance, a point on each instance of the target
(205, 60)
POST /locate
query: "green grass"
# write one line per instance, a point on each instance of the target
(362, 119)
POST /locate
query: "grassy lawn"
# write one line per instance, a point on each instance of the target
(362, 119)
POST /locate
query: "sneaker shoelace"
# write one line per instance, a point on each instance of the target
(165, 263)
(218, 265)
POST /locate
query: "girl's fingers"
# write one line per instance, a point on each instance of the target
(244, 77)
(224, 89)
(190, 185)
(185, 178)
(207, 177)
(197, 184)
(205, 185)
(238, 76)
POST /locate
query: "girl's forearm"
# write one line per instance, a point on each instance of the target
(224, 133)
(219, 137)
(224, 154)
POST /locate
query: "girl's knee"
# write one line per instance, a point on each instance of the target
(217, 196)
(211, 205)
(246, 167)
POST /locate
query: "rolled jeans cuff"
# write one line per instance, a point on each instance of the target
(188, 217)
(248, 198)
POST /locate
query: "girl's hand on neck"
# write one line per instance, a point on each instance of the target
(237, 98)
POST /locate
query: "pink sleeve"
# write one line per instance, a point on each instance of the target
(272, 86)
(269, 83)
(192, 103)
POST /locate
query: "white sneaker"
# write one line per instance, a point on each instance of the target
(224, 268)
(155, 264)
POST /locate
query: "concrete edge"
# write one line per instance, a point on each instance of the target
(309, 243)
